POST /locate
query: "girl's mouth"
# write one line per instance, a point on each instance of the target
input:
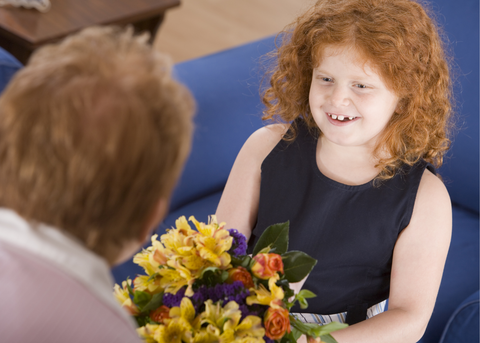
(341, 118)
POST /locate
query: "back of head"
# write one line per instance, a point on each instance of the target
(397, 38)
(93, 133)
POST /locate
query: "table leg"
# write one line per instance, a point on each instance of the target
(20, 52)
(151, 25)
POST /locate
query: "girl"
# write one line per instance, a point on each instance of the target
(361, 95)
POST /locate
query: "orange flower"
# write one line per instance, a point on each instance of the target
(266, 265)
(240, 274)
(276, 322)
(160, 314)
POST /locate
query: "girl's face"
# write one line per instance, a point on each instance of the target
(349, 101)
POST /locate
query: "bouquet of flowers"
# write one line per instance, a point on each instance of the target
(201, 287)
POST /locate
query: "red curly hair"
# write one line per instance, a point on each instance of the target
(402, 43)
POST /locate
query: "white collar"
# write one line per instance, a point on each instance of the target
(65, 252)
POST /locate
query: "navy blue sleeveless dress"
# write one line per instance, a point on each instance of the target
(350, 230)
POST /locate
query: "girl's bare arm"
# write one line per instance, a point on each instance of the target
(418, 262)
(238, 205)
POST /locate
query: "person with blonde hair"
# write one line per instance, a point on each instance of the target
(93, 135)
(360, 96)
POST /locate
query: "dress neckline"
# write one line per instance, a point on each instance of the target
(312, 156)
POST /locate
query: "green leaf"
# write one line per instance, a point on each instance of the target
(141, 298)
(154, 275)
(302, 296)
(275, 236)
(247, 260)
(209, 269)
(130, 290)
(265, 250)
(303, 303)
(305, 293)
(328, 339)
(316, 330)
(224, 276)
(288, 338)
(331, 327)
(296, 333)
(323, 330)
(142, 320)
(154, 303)
(297, 265)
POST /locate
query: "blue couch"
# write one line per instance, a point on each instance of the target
(226, 87)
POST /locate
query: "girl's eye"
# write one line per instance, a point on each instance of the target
(359, 85)
(327, 79)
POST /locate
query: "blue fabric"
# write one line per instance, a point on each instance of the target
(463, 326)
(461, 170)
(461, 273)
(226, 88)
(9, 65)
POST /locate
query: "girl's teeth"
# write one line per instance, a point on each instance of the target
(340, 118)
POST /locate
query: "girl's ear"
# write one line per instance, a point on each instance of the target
(156, 216)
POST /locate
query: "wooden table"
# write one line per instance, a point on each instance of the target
(23, 30)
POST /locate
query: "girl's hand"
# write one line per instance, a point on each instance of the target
(297, 286)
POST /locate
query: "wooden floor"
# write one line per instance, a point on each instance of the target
(201, 27)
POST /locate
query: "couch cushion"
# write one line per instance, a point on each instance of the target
(226, 88)
(461, 273)
(461, 169)
(463, 326)
(9, 65)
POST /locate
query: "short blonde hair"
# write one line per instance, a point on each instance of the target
(93, 133)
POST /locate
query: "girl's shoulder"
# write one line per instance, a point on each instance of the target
(263, 141)
(433, 189)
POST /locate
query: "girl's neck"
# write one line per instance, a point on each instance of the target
(348, 165)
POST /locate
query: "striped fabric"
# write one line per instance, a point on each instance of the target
(339, 317)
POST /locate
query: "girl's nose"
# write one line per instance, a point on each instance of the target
(339, 96)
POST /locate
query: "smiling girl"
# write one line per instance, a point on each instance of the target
(361, 98)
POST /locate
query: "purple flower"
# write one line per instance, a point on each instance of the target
(239, 244)
(171, 300)
(268, 340)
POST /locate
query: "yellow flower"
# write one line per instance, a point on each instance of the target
(171, 333)
(250, 329)
(180, 241)
(181, 248)
(262, 296)
(224, 322)
(147, 283)
(147, 332)
(171, 280)
(123, 297)
(213, 242)
(144, 260)
(185, 313)
(205, 336)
